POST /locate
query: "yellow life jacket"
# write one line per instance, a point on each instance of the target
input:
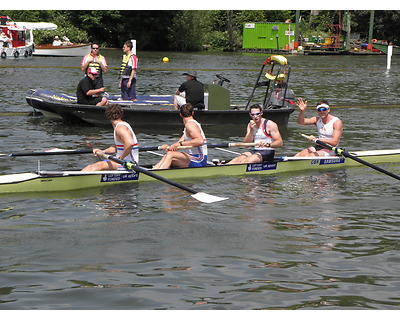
(96, 65)
(125, 69)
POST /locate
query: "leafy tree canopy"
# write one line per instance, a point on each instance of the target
(191, 29)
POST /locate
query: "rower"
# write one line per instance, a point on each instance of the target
(263, 132)
(193, 135)
(329, 129)
(125, 143)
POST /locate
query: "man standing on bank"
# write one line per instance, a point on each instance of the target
(263, 132)
(194, 92)
(127, 74)
(193, 135)
(329, 129)
(86, 92)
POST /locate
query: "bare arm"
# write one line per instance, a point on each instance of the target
(249, 137)
(301, 119)
(85, 62)
(95, 91)
(273, 129)
(125, 136)
(102, 64)
(131, 77)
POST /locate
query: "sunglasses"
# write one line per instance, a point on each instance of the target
(255, 114)
(95, 48)
(322, 109)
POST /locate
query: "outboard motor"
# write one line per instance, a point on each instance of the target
(281, 98)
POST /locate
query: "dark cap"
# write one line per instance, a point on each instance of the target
(190, 73)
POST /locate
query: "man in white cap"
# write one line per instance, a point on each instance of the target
(57, 42)
(86, 92)
(329, 129)
(194, 92)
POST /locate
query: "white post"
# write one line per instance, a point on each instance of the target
(133, 46)
(389, 55)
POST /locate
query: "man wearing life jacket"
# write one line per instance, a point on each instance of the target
(127, 74)
(193, 136)
(329, 129)
(265, 133)
(96, 60)
(125, 144)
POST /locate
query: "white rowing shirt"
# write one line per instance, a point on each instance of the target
(261, 134)
(134, 154)
(325, 130)
(201, 150)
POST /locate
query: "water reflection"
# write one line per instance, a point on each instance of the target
(304, 241)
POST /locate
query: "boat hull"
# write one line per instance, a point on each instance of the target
(155, 110)
(383, 48)
(76, 50)
(75, 180)
(16, 52)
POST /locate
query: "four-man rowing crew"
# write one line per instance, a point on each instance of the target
(45, 181)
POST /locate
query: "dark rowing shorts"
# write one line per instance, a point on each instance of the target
(319, 147)
(267, 154)
(94, 101)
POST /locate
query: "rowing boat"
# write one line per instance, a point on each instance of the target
(46, 181)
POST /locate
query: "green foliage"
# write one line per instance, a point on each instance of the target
(263, 16)
(191, 29)
(317, 24)
(387, 25)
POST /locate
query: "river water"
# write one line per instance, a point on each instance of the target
(327, 240)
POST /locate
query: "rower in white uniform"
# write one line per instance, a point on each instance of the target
(265, 133)
(125, 143)
(329, 129)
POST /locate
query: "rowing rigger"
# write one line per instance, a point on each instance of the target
(57, 151)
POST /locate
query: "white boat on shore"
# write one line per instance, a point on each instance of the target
(17, 37)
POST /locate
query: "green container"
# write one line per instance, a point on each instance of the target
(268, 35)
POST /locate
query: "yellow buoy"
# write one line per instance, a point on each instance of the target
(165, 59)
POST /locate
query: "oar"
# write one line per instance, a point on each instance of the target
(200, 196)
(230, 151)
(341, 152)
(211, 145)
(57, 151)
(47, 153)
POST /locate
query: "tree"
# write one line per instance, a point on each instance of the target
(191, 29)
(188, 30)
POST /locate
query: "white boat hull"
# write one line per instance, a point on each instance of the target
(62, 51)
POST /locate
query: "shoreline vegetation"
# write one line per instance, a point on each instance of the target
(194, 30)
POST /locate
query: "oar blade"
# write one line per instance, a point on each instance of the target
(207, 198)
(200, 196)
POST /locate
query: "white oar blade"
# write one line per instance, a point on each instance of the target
(207, 198)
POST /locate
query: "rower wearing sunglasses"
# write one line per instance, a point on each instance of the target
(329, 129)
(265, 133)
